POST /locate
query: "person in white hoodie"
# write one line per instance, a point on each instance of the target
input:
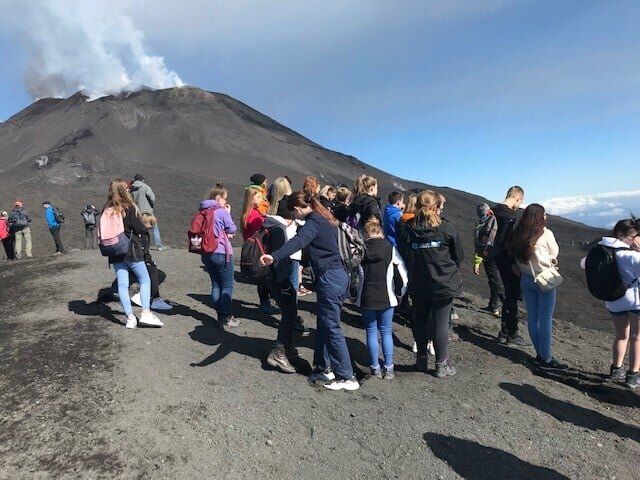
(535, 250)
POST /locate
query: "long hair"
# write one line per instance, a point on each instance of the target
(527, 232)
(363, 185)
(311, 185)
(305, 199)
(248, 205)
(410, 206)
(326, 190)
(217, 191)
(280, 189)
(427, 203)
(118, 197)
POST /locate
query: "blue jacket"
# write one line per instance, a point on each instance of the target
(390, 221)
(322, 239)
(50, 216)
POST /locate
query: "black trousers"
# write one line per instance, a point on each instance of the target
(510, 276)
(285, 296)
(495, 284)
(431, 321)
(55, 233)
(9, 247)
(90, 239)
(264, 291)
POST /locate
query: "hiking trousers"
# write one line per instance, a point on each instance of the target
(55, 233)
(495, 284)
(9, 247)
(24, 234)
(512, 291)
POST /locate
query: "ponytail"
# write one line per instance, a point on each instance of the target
(304, 199)
(427, 209)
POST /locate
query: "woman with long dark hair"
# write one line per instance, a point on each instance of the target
(320, 235)
(535, 250)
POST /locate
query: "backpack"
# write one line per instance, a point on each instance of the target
(112, 239)
(89, 217)
(484, 232)
(603, 277)
(59, 216)
(353, 221)
(202, 237)
(351, 247)
(18, 220)
(252, 249)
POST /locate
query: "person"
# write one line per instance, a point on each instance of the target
(484, 236)
(320, 234)
(341, 209)
(54, 221)
(377, 295)
(89, 215)
(328, 197)
(279, 190)
(392, 214)
(625, 311)
(433, 253)
(251, 221)
(311, 185)
(121, 207)
(365, 204)
(442, 200)
(409, 208)
(7, 236)
(20, 226)
(219, 265)
(259, 182)
(535, 250)
(505, 214)
(145, 199)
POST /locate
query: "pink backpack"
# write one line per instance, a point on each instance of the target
(113, 240)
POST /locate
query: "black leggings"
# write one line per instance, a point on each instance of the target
(431, 322)
(9, 247)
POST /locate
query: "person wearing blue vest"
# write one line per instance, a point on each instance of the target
(54, 219)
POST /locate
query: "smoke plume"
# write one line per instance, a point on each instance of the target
(92, 46)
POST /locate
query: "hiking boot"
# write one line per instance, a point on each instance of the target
(132, 321)
(422, 363)
(553, 364)
(349, 385)
(445, 370)
(518, 340)
(502, 337)
(633, 380)
(376, 372)
(617, 374)
(321, 376)
(148, 319)
(230, 322)
(269, 310)
(389, 373)
(277, 358)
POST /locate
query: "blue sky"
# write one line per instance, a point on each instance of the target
(472, 94)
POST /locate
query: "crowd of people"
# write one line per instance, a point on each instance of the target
(404, 259)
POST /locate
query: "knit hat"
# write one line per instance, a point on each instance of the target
(257, 178)
(482, 210)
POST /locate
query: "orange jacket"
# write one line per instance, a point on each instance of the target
(264, 205)
(406, 217)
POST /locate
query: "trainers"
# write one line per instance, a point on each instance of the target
(323, 376)
(160, 304)
(269, 310)
(349, 385)
(496, 313)
(148, 319)
(277, 358)
(376, 372)
(617, 374)
(414, 348)
(389, 373)
(554, 364)
(445, 370)
(633, 380)
(231, 322)
(453, 335)
(454, 315)
(135, 299)
(422, 362)
(430, 350)
(161, 247)
(502, 337)
(132, 321)
(518, 340)
(303, 292)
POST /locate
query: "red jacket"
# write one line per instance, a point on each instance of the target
(255, 219)
(4, 228)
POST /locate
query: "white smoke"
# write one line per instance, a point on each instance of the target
(86, 45)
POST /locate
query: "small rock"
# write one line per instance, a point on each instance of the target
(270, 443)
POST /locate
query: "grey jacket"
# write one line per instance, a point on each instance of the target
(143, 196)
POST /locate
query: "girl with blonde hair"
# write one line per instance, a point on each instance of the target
(365, 204)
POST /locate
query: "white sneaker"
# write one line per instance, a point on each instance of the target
(160, 304)
(148, 319)
(132, 321)
(430, 349)
(414, 349)
(349, 385)
(136, 300)
(321, 376)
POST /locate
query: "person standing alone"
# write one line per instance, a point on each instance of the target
(54, 219)
(146, 201)
(19, 225)
(89, 216)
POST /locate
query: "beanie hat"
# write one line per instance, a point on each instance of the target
(483, 210)
(257, 178)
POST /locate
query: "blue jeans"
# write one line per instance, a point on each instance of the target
(295, 273)
(122, 275)
(156, 236)
(381, 320)
(540, 307)
(331, 346)
(221, 272)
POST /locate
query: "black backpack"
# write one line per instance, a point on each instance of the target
(59, 216)
(603, 277)
(18, 220)
(252, 249)
(351, 246)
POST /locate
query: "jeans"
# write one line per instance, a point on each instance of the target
(379, 320)
(331, 346)
(495, 284)
(431, 322)
(220, 269)
(156, 236)
(122, 275)
(25, 234)
(55, 233)
(540, 307)
(156, 276)
(512, 291)
(295, 273)
(90, 239)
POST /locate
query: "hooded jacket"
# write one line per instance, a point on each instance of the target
(433, 256)
(377, 276)
(363, 208)
(143, 196)
(392, 215)
(223, 225)
(629, 268)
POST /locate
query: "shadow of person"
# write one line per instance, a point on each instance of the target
(472, 460)
(567, 412)
(93, 309)
(240, 309)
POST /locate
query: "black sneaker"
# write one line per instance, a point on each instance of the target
(633, 380)
(422, 362)
(518, 341)
(445, 370)
(502, 337)
(277, 358)
(554, 364)
(617, 374)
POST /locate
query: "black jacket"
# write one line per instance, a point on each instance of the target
(363, 208)
(341, 212)
(135, 230)
(378, 289)
(328, 204)
(277, 238)
(433, 256)
(506, 219)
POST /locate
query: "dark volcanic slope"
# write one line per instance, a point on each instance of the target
(184, 140)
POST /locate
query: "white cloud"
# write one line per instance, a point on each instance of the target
(598, 210)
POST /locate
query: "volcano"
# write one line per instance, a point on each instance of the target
(186, 139)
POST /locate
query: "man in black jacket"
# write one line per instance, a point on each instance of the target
(506, 214)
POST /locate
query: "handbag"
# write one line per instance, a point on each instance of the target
(547, 279)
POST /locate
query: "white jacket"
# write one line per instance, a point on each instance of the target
(629, 268)
(545, 254)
